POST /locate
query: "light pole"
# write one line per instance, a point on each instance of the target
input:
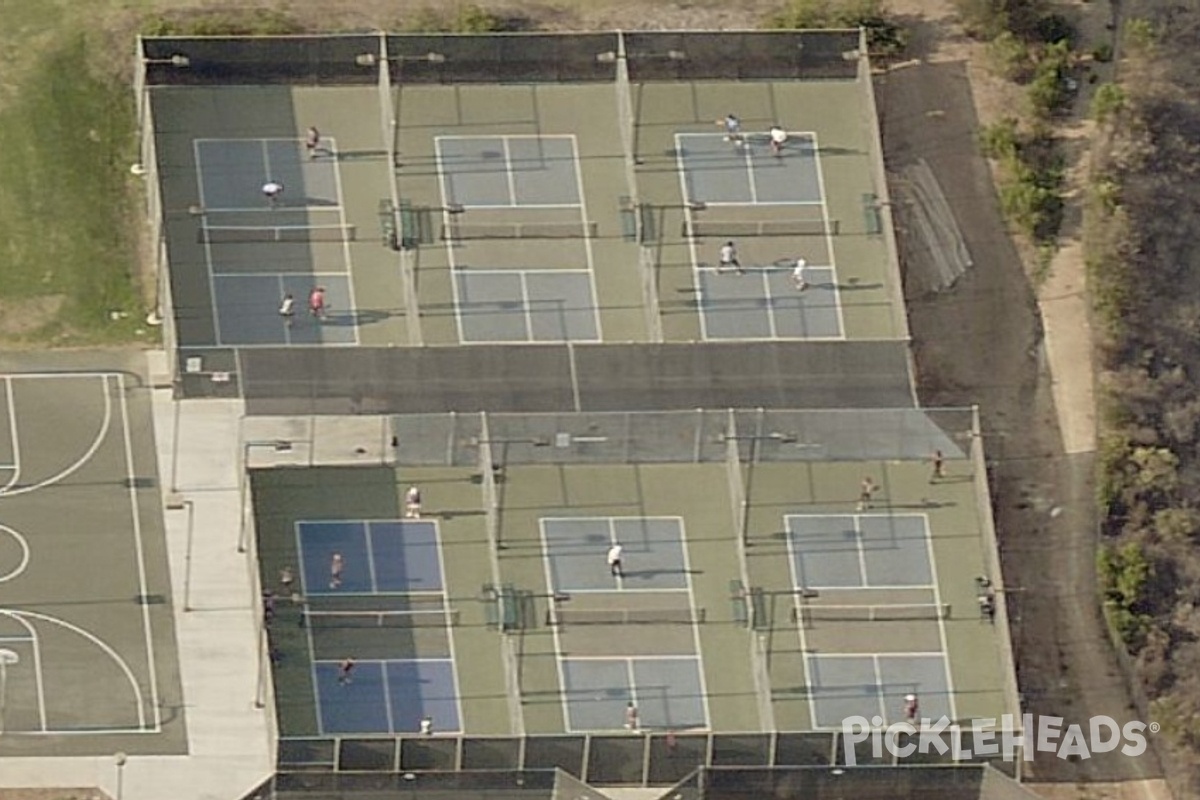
(7, 658)
(276, 445)
(187, 557)
(120, 759)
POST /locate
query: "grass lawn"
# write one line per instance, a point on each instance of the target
(71, 270)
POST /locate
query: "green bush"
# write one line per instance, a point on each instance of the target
(982, 19)
(884, 36)
(1124, 572)
(1138, 34)
(1000, 140)
(1102, 53)
(1011, 56)
(1048, 91)
(1107, 102)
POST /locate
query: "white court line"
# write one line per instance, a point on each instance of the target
(10, 401)
(266, 161)
(39, 676)
(697, 283)
(551, 590)
(798, 604)
(508, 172)
(437, 538)
(135, 513)
(312, 650)
(523, 271)
(337, 182)
(448, 242)
(210, 271)
(862, 554)
(287, 328)
(263, 346)
(880, 699)
(281, 275)
(425, 660)
(387, 693)
(587, 240)
(837, 296)
(332, 209)
(687, 574)
(108, 650)
(749, 159)
(87, 454)
(524, 282)
(370, 557)
(440, 137)
(937, 596)
(24, 545)
(663, 657)
(612, 539)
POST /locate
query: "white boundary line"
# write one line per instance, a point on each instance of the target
(691, 593)
(663, 657)
(798, 606)
(509, 175)
(10, 402)
(862, 554)
(523, 282)
(697, 283)
(387, 694)
(448, 242)
(937, 596)
(837, 295)
(748, 157)
(312, 650)
(577, 163)
(135, 514)
(366, 526)
(207, 245)
(556, 637)
(337, 182)
(266, 155)
(441, 556)
(861, 551)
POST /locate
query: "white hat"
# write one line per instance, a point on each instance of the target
(910, 697)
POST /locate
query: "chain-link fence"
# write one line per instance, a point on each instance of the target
(445, 58)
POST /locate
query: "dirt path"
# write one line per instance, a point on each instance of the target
(1026, 360)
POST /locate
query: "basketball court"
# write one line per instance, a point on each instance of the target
(86, 634)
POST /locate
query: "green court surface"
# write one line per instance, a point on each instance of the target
(818, 610)
(86, 631)
(522, 213)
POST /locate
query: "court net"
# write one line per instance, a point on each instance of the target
(807, 615)
(730, 229)
(459, 231)
(414, 618)
(249, 234)
(625, 616)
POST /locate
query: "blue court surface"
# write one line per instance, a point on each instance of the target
(231, 173)
(860, 551)
(506, 171)
(379, 556)
(870, 685)
(526, 306)
(388, 696)
(667, 692)
(719, 172)
(653, 553)
(247, 308)
(764, 303)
